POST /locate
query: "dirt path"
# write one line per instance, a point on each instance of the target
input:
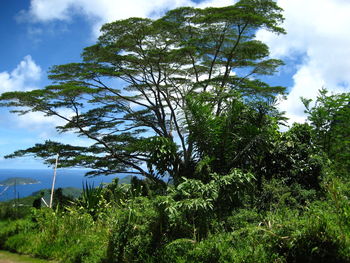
(7, 257)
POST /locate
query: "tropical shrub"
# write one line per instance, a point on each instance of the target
(136, 233)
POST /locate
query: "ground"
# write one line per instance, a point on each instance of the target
(7, 257)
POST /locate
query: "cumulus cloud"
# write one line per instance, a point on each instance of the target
(44, 128)
(103, 11)
(316, 32)
(23, 78)
(38, 122)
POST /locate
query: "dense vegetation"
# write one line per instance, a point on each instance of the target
(220, 181)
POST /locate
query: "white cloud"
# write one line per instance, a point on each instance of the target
(37, 121)
(44, 128)
(26, 76)
(316, 31)
(23, 78)
(216, 3)
(103, 11)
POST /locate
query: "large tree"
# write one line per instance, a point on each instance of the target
(147, 89)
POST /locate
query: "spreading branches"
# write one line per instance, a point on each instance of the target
(136, 81)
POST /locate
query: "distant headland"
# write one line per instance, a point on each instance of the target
(18, 181)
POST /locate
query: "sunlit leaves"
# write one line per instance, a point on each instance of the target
(330, 120)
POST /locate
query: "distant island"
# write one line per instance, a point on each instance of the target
(18, 181)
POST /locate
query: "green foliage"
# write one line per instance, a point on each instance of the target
(238, 136)
(172, 228)
(242, 218)
(69, 237)
(192, 205)
(329, 118)
(177, 250)
(15, 209)
(91, 201)
(9, 229)
(75, 237)
(137, 232)
(116, 194)
(281, 236)
(162, 155)
(294, 159)
(276, 194)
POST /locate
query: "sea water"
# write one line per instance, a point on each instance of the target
(65, 178)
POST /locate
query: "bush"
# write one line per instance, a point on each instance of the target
(177, 250)
(12, 228)
(312, 236)
(184, 226)
(9, 211)
(243, 218)
(70, 237)
(276, 194)
(137, 232)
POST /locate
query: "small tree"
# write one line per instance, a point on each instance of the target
(134, 93)
(330, 120)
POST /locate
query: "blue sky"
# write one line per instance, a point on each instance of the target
(36, 34)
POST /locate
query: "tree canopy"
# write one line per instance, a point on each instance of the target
(160, 97)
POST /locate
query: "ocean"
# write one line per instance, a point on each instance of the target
(64, 178)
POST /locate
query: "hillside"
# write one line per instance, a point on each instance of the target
(125, 180)
(66, 191)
